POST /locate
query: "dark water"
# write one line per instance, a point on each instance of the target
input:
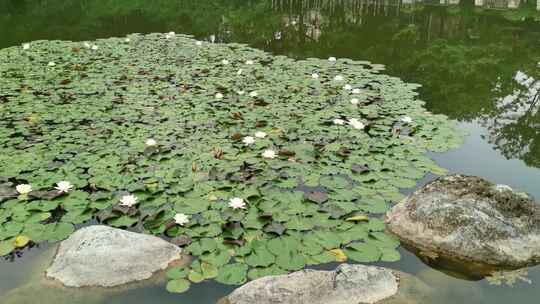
(479, 67)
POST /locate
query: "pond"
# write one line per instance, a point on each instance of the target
(477, 66)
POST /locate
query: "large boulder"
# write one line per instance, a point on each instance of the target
(347, 284)
(102, 256)
(468, 222)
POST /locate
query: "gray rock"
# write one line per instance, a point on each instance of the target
(102, 256)
(348, 284)
(469, 222)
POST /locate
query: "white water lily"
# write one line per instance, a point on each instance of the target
(95, 47)
(260, 134)
(151, 142)
(338, 121)
(253, 94)
(64, 186)
(198, 43)
(406, 119)
(269, 154)
(338, 78)
(239, 72)
(26, 46)
(355, 123)
(128, 200)
(332, 59)
(248, 140)
(219, 96)
(356, 91)
(237, 203)
(23, 189)
(347, 87)
(249, 62)
(355, 101)
(241, 92)
(314, 75)
(225, 62)
(181, 219)
(51, 64)
(87, 45)
(169, 35)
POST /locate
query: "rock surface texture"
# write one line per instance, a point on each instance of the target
(102, 256)
(348, 284)
(469, 220)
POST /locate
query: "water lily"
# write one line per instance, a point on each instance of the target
(225, 62)
(181, 219)
(64, 186)
(406, 119)
(356, 91)
(314, 75)
(355, 123)
(269, 154)
(248, 140)
(26, 46)
(198, 43)
(23, 189)
(260, 134)
(51, 64)
(151, 142)
(249, 62)
(332, 59)
(128, 200)
(95, 47)
(219, 96)
(239, 72)
(253, 94)
(237, 203)
(338, 78)
(354, 101)
(347, 87)
(338, 121)
(169, 35)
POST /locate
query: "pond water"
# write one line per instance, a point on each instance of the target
(478, 67)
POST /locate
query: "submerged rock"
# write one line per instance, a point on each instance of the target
(102, 256)
(347, 284)
(470, 224)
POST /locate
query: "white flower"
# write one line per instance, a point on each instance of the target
(253, 94)
(248, 140)
(127, 40)
(406, 119)
(219, 96)
(269, 154)
(332, 59)
(355, 101)
(64, 186)
(356, 91)
(339, 121)
(181, 219)
(240, 92)
(347, 87)
(169, 35)
(249, 62)
(198, 43)
(314, 75)
(260, 134)
(24, 188)
(237, 203)
(355, 123)
(95, 47)
(239, 72)
(225, 61)
(293, 22)
(87, 45)
(51, 64)
(151, 142)
(128, 200)
(26, 46)
(338, 78)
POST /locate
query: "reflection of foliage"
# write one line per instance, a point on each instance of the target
(509, 278)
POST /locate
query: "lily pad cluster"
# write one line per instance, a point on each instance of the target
(255, 164)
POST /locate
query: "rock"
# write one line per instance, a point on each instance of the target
(102, 256)
(347, 284)
(469, 224)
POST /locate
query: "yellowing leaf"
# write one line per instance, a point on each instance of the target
(21, 241)
(339, 255)
(358, 218)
